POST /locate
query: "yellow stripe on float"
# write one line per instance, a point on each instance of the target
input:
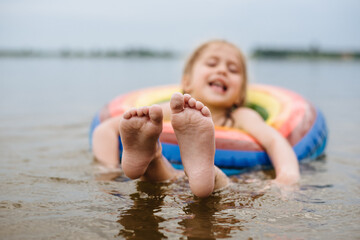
(265, 100)
(156, 95)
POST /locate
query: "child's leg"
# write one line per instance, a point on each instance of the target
(105, 143)
(140, 130)
(195, 133)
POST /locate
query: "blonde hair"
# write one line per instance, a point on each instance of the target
(199, 50)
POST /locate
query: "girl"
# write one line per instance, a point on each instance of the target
(214, 82)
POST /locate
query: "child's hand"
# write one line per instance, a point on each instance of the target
(286, 179)
(284, 191)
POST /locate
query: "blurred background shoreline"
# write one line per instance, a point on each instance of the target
(139, 52)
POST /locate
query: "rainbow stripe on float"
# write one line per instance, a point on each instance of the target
(289, 113)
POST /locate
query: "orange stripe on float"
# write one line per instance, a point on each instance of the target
(292, 112)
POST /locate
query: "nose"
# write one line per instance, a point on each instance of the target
(221, 69)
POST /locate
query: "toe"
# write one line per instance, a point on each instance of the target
(133, 112)
(206, 112)
(199, 105)
(187, 97)
(145, 110)
(141, 111)
(177, 103)
(155, 113)
(127, 115)
(192, 102)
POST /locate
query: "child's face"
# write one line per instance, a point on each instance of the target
(216, 77)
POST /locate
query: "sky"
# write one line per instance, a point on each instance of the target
(179, 25)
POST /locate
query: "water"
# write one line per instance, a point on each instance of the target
(51, 189)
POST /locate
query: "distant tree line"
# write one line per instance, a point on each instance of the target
(69, 53)
(311, 53)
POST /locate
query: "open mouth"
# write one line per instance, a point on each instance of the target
(218, 85)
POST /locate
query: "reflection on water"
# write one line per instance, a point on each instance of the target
(206, 221)
(196, 218)
(140, 221)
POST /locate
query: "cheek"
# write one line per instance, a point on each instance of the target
(238, 86)
(201, 72)
(237, 82)
(199, 79)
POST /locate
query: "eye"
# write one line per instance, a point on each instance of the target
(233, 68)
(211, 62)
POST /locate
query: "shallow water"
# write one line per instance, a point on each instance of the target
(50, 188)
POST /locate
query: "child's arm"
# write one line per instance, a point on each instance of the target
(105, 143)
(277, 147)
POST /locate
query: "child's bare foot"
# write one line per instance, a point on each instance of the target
(139, 131)
(195, 133)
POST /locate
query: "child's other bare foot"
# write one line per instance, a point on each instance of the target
(195, 133)
(139, 131)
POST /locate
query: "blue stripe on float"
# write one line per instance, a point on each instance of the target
(171, 152)
(313, 143)
(94, 123)
(234, 158)
(223, 158)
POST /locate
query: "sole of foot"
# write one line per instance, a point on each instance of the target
(194, 130)
(139, 131)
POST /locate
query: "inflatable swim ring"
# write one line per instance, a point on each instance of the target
(295, 118)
